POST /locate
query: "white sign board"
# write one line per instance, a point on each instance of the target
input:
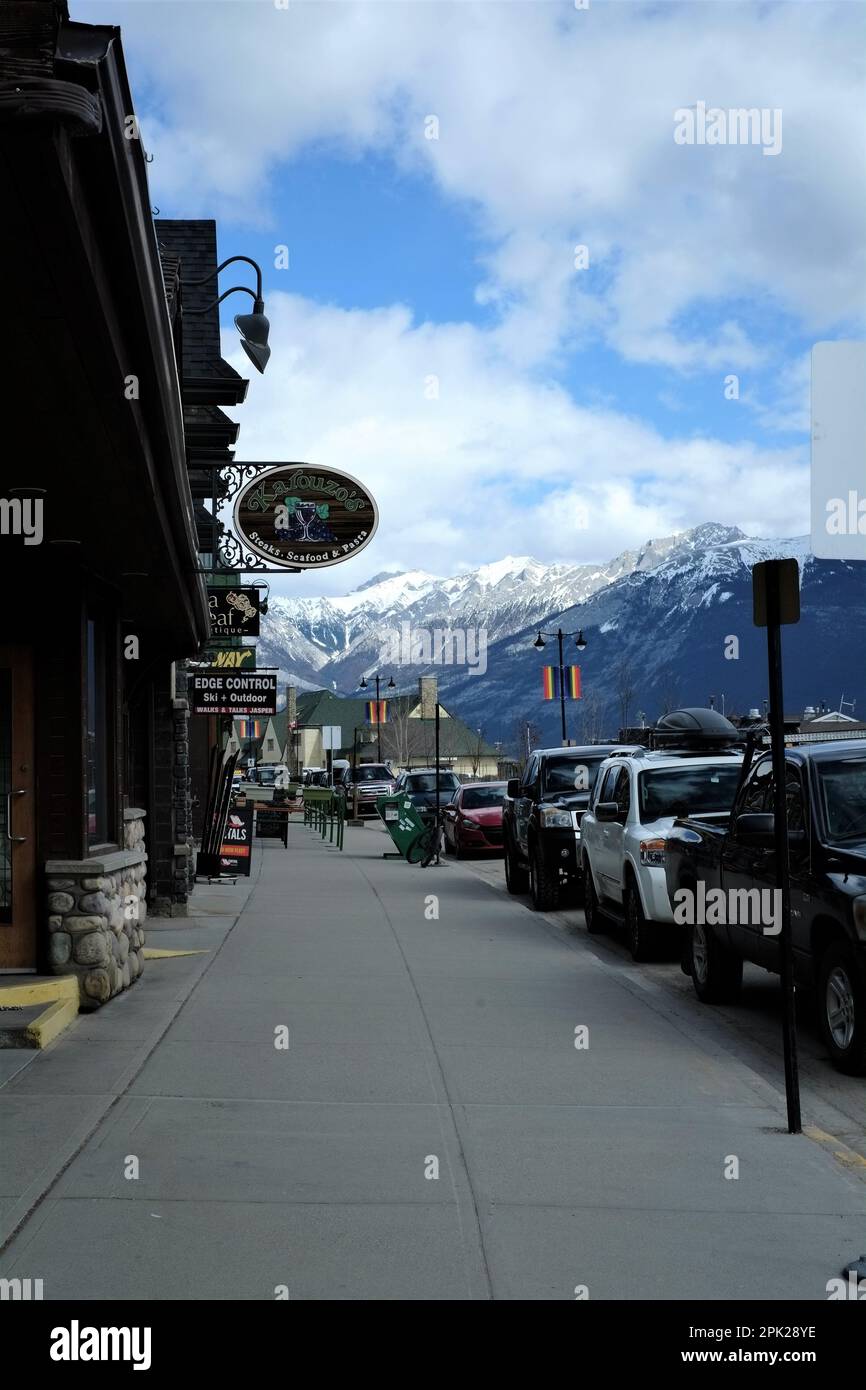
(332, 737)
(839, 451)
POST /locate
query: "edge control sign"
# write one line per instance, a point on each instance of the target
(216, 691)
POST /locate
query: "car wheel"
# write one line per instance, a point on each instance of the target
(638, 929)
(459, 851)
(591, 911)
(842, 1004)
(516, 877)
(717, 973)
(543, 887)
(449, 848)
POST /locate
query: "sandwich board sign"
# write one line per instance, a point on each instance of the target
(236, 846)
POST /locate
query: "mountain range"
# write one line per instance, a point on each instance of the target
(670, 623)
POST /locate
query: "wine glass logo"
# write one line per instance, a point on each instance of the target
(305, 513)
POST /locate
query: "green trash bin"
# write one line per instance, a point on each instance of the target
(415, 838)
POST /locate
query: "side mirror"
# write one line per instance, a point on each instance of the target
(606, 811)
(512, 787)
(756, 828)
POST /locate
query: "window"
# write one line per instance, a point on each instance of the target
(96, 734)
(622, 793)
(758, 795)
(607, 786)
(687, 790)
(270, 745)
(569, 774)
(474, 798)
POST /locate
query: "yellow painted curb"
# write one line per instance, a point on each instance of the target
(153, 953)
(51, 1021)
(61, 996)
(60, 987)
(845, 1155)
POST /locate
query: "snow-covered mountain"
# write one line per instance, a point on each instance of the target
(661, 614)
(334, 641)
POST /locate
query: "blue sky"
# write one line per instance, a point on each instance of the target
(562, 393)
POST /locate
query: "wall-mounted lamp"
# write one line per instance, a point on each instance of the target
(253, 328)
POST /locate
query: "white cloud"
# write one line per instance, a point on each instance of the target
(498, 464)
(557, 126)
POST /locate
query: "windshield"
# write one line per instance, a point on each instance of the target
(267, 774)
(843, 798)
(687, 791)
(372, 772)
(426, 782)
(474, 798)
(571, 774)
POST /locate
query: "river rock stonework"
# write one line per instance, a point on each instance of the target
(96, 911)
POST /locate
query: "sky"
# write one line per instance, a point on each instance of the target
(432, 169)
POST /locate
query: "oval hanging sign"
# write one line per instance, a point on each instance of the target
(305, 517)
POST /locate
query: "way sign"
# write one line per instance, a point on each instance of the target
(215, 691)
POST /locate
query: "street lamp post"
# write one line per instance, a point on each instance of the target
(390, 686)
(580, 643)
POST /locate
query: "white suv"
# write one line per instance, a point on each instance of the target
(635, 801)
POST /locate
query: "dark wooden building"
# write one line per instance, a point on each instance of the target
(104, 541)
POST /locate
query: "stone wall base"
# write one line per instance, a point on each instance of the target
(96, 911)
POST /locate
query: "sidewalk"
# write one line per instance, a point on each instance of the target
(412, 1043)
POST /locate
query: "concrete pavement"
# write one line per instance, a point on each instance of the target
(431, 1025)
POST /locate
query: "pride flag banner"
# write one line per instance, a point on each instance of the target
(251, 728)
(377, 711)
(550, 682)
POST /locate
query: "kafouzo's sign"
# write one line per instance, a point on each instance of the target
(305, 517)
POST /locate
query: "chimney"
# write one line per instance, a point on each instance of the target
(428, 689)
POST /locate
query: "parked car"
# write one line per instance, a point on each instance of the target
(473, 819)
(541, 822)
(371, 780)
(420, 787)
(637, 798)
(825, 801)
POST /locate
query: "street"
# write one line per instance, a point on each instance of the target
(376, 1081)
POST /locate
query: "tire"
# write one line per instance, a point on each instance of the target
(842, 1008)
(638, 929)
(717, 973)
(449, 848)
(516, 877)
(591, 910)
(543, 887)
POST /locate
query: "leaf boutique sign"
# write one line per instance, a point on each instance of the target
(302, 517)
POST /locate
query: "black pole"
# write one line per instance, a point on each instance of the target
(378, 725)
(559, 635)
(436, 727)
(780, 825)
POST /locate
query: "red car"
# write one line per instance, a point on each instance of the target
(473, 818)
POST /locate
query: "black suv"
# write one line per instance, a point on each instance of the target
(541, 821)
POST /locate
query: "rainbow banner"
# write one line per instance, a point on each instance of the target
(251, 728)
(550, 682)
(377, 711)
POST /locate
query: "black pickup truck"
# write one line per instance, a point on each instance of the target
(721, 876)
(541, 822)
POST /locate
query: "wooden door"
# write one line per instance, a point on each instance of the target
(17, 812)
